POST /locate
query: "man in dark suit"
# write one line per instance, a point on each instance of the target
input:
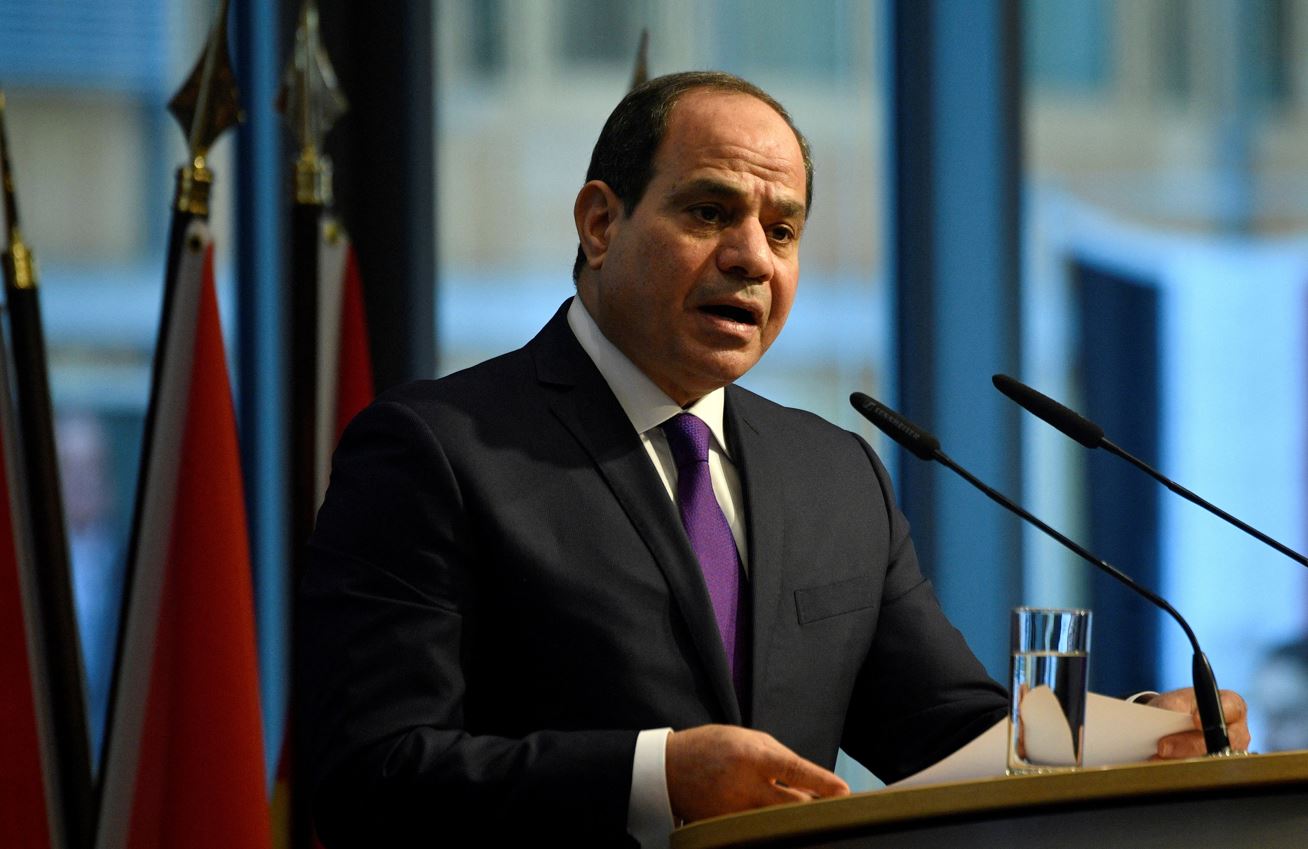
(534, 609)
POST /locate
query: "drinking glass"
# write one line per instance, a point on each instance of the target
(1051, 659)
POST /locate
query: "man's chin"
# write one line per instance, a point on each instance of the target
(724, 368)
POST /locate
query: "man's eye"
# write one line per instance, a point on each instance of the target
(707, 214)
(783, 234)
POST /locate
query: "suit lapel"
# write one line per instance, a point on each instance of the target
(763, 485)
(589, 410)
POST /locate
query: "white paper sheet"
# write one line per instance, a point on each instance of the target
(1048, 733)
(1116, 732)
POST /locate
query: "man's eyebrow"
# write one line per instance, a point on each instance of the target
(708, 186)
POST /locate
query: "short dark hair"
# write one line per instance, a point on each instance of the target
(624, 153)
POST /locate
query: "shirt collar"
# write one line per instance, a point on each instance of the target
(645, 404)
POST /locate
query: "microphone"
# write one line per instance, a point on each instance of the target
(1091, 435)
(924, 445)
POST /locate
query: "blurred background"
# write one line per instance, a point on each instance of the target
(1106, 198)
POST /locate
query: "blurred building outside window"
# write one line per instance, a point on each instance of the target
(1165, 143)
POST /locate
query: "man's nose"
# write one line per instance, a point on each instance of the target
(744, 251)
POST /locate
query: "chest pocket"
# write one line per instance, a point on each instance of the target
(817, 603)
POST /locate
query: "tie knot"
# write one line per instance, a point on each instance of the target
(688, 437)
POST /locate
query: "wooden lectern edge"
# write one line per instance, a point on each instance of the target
(964, 799)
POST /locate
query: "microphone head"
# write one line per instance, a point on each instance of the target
(1071, 423)
(892, 424)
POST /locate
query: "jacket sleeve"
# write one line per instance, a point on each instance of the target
(921, 693)
(392, 757)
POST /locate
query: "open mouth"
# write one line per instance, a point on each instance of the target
(736, 314)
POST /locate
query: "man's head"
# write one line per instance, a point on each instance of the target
(689, 226)
(624, 153)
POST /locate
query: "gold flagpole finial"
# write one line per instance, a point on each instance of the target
(311, 102)
(641, 72)
(19, 264)
(205, 106)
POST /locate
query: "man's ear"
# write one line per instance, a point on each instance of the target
(596, 212)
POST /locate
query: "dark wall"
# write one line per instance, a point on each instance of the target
(383, 151)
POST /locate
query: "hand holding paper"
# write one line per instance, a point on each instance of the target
(1190, 743)
(1117, 732)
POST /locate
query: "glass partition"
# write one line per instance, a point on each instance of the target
(522, 91)
(1166, 286)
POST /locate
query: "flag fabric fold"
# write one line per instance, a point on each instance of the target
(28, 806)
(347, 386)
(184, 765)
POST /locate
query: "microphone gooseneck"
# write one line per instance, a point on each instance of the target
(926, 446)
(1091, 435)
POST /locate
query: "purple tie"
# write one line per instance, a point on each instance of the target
(710, 535)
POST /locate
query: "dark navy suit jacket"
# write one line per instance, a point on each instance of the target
(501, 595)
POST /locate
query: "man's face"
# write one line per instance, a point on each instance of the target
(696, 282)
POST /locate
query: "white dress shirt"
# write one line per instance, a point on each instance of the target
(649, 813)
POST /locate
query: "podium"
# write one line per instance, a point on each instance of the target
(1248, 800)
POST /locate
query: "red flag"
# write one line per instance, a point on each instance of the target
(26, 785)
(354, 387)
(185, 761)
(344, 363)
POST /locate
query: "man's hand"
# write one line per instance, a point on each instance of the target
(722, 769)
(1190, 744)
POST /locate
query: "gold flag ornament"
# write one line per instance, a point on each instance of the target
(206, 105)
(311, 102)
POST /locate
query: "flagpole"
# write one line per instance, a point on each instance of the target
(311, 103)
(61, 647)
(205, 106)
(640, 71)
